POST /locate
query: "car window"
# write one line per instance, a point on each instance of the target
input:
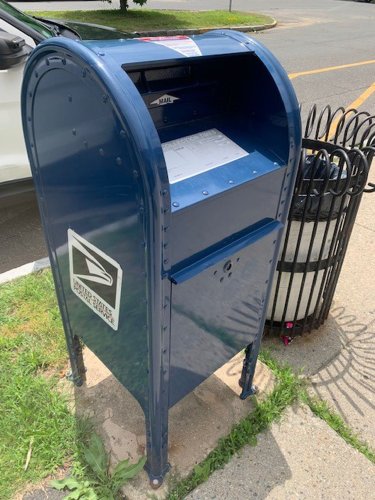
(24, 18)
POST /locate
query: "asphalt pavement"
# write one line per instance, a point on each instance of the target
(327, 46)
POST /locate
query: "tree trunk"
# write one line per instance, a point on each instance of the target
(123, 4)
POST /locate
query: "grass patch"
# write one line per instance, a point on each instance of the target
(322, 410)
(153, 20)
(32, 351)
(287, 390)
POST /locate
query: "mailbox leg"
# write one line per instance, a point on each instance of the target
(157, 447)
(78, 370)
(247, 374)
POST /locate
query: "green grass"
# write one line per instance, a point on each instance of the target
(153, 20)
(32, 352)
(322, 410)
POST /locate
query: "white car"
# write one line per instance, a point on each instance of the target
(19, 34)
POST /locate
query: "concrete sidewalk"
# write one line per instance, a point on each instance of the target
(298, 458)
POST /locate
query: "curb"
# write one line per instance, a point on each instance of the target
(199, 31)
(18, 272)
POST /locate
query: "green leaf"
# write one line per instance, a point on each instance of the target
(75, 495)
(91, 495)
(96, 456)
(123, 472)
(70, 482)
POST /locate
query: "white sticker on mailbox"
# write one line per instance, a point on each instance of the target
(95, 278)
(197, 153)
(180, 43)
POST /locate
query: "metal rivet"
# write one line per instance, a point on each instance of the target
(231, 182)
(36, 74)
(84, 73)
(276, 164)
(119, 161)
(165, 261)
(175, 204)
(63, 61)
(101, 152)
(105, 98)
(74, 131)
(205, 192)
(227, 266)
(122, 133)
(101, 54)
(221, 279)
(254, 171)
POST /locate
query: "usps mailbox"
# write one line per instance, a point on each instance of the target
(164, 169)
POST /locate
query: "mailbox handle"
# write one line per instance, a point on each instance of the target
(252, 235)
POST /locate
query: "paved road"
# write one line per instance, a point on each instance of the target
(312, 35)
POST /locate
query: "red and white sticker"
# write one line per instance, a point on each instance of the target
(180, 43)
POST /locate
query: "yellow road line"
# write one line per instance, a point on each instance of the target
(355, 104)
(330, 68)
(362, 98)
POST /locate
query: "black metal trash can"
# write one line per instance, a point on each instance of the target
(337, 151)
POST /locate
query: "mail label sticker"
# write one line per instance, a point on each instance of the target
(95, 278)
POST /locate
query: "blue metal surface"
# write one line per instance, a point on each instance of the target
(197, 256)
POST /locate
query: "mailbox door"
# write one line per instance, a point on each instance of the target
(218, 312)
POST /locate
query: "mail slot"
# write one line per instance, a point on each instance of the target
(164, 169)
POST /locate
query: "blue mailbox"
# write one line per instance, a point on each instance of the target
(164, 169)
